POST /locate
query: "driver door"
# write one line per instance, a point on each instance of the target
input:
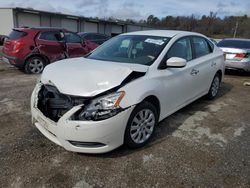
(178, 83)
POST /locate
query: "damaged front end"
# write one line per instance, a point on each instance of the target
(54, 104)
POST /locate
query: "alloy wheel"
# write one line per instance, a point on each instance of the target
(36, 66)
(142, 126)
(215, 86)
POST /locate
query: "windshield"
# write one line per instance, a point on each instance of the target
(135, 49)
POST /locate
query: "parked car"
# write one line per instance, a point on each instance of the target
(237, 53)
(95, 37)
(119, 92)
(2, 38)
(214, 41)
(32, 49)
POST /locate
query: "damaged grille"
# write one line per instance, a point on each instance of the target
(54, 104)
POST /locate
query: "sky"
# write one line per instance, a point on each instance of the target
(135, 9)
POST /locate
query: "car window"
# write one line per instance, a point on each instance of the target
(100, 37)
(201, 47)
(50, 35)
(15, 34)
(88, 37)
(235, 44)
(134, 49)
(182, 48)
(72, 38)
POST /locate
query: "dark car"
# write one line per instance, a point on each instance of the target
(31, 49)
(95, 37)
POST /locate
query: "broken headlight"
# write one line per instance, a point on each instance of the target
(101, 108)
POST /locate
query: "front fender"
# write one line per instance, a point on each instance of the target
(137, 90)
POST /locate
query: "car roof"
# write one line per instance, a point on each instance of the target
(40, 28)
(162, 33)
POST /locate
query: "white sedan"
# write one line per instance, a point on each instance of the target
(118, 93)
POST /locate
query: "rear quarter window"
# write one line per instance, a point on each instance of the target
(234, 44)
(15, 34)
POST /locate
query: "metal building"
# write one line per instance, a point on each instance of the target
(20, 17)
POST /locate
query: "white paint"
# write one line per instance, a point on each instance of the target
(85, 77)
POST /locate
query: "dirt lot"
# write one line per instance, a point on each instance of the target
(206, 144)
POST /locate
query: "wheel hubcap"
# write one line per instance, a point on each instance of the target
(36, 66)
(215, 86)
(142, 126)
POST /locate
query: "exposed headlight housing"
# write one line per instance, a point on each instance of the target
(101, 108)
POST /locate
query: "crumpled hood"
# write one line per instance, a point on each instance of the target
(87, 77)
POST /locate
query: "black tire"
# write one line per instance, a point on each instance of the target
(34, 65)
(215, 86)
(144, 107)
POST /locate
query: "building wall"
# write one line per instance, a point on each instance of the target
(45, 21)
(28, 19)
(70, 24)
(116, 29)
(101, 28)
(56, 21)
(91, 27)
(131, 28)
(32, 18)
(7, 21)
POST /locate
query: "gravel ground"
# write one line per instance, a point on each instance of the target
(206, 144)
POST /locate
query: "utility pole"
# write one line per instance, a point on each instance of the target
(236, 28)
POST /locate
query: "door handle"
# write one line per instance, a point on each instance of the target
(213, 64)
(194, 72)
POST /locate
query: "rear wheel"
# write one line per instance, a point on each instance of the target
(214, 88)
(34, 65)
(141, 125)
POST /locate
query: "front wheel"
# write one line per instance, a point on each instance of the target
(141, 125)
(214, 88)
(34, 65)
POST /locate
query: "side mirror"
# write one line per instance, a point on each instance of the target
(60, 36)
(176, 62)
(84, 43)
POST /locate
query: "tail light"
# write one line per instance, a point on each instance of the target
(17, 46)
(240, 56)
(224, 54)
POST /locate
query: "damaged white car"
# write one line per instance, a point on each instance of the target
(118, 93)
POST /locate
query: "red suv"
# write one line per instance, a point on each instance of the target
(31, 49)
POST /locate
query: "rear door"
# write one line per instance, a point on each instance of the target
(49, 45)
(74, 44)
